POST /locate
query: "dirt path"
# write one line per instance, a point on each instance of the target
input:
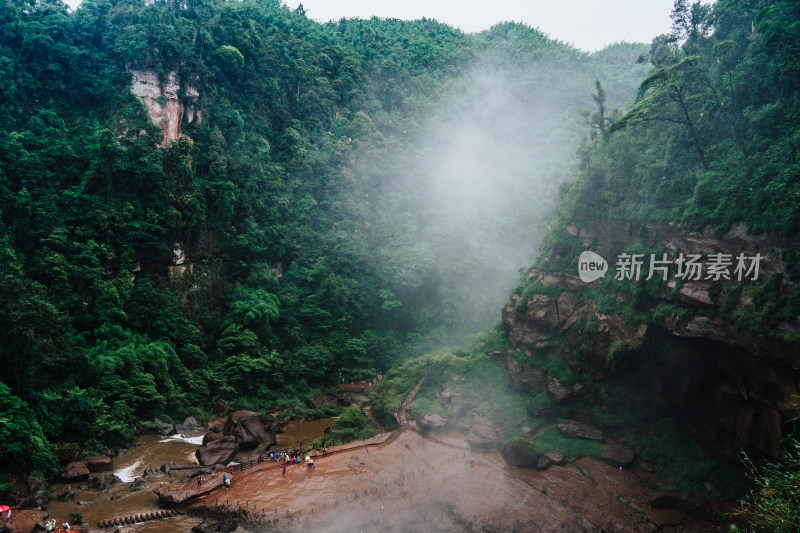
(401, 411)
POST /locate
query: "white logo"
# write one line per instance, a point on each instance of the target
(591, 266)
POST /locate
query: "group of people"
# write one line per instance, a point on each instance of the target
(50, 526)
(226, 478)
(292, 458)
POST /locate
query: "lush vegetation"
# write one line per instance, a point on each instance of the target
(352, 424)
(354, 194)
(774, 505)
(712, 136)
(711, 141)
(303, 197)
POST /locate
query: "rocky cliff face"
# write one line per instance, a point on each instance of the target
(167, 103)
(724, 353)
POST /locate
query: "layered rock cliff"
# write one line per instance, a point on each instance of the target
(722, 354)
(167, 102)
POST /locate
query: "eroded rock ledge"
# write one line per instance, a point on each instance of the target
(696, 351)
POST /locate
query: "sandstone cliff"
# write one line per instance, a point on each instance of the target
(167, 102)
(724, 354)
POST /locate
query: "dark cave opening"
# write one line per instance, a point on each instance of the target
(724, 397)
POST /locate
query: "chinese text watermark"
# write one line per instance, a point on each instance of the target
(687, 267)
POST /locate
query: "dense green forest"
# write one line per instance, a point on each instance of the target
(711, 141)
(356, 193)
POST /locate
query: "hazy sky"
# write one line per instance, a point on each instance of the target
(587, 24)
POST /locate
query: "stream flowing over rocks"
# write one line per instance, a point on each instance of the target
(105, 489)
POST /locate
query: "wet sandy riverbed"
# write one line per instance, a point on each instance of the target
(414, 483)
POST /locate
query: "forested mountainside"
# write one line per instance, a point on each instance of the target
(691, 199)
(663, 310)
(212, 200)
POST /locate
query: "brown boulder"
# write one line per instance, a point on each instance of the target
(75, 471)
(249, 429)
(433, 422)
(38, 500)
(571, 428)
(484, 433)
(617, 455)
(190, 426)
(99, 481)
(542, 462)
(517, 453)
(163, 428)
(220, 451)
(525, 377)
(211, 436)
(561, 393)
(556, 457)
(65, 494)
(98, 463)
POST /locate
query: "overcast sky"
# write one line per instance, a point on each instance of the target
(587, 24)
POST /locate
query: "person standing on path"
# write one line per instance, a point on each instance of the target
(284, 468)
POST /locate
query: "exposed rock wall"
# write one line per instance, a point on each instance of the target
(697, 351)
(165, 104)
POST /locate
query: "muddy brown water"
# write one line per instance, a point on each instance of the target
(303, 433)
(149, 452)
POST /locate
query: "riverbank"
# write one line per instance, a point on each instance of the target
(415, 483)
(129, 490)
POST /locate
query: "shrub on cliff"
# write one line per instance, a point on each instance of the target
(351, 425)
(774, 505)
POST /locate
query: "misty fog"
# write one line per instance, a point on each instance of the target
(495, 152)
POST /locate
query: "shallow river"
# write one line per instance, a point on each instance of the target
(149, 453)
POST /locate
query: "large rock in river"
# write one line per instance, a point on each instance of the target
(190, 426)
(211, 436)
(220, 451)
(98, 463)
(249, 429)
(163, 428)
(75, 471)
